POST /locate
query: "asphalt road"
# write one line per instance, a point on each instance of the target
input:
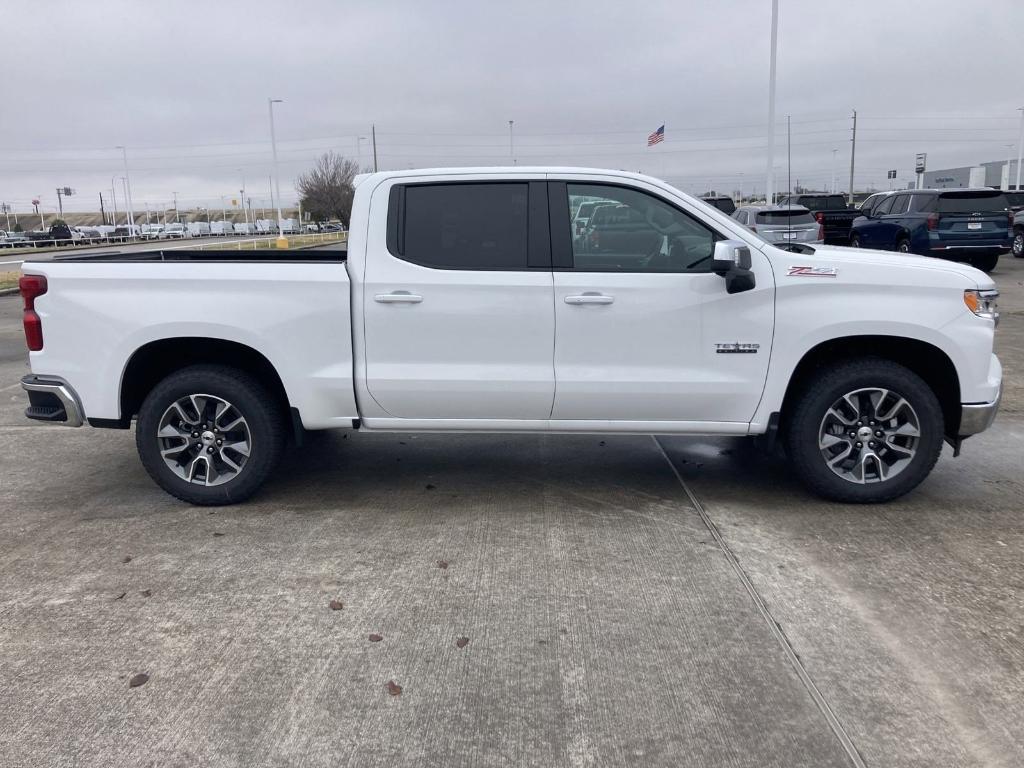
(626, 602)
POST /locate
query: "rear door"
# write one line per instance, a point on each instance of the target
(643, 325)
(458, 316)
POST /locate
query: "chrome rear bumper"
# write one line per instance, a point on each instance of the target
(52, 399)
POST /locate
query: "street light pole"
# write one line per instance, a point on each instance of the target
(1020, 146)
(1009, 154)
(281, 241)
(113, 195)
(834, 153)
(770, 181)
(511, 143)
(128, 192)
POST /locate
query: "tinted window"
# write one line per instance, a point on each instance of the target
(900, 204)
(824, 203)
(971, 202)
(870, 203)
(883, 207)
(465, 226)
(920, 202)
(1015, 198)
(785, 217)
(637, 232)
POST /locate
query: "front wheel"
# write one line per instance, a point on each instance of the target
(865, 431)
(1018, 244)
(855, 242)
(210, 434)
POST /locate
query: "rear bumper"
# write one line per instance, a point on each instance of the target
(52, 399)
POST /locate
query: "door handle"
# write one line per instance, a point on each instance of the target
(398, 297)
(590, 298)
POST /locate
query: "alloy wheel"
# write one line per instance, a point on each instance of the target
(204, 439)
(869, 435)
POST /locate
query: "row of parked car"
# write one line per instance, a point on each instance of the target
(61, 234)
(972, 225)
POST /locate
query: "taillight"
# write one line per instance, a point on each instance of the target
(820, 218)
(31, 287)
(933, 221)
(821, 231)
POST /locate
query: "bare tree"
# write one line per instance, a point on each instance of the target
(326, 189)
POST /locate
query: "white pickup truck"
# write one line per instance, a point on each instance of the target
(467, 302)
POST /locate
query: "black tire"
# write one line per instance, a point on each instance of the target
(1018, 244)
(985, 263)
(805, 421)
(855, 242)
(903, 245)
(262, 413)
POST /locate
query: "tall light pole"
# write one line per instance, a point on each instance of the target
(281, 241)
(1020, 146)
(511, 143)
(834, 153)
(770, 181)
(128, 192)
(245, 211)
(176, 217)
(1009, 154)
(113, 195)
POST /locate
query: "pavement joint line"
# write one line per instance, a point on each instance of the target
(801, 671)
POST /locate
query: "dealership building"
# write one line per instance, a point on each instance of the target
(997, 173)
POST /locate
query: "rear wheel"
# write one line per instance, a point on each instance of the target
(985, 263)
(855, 241)
(903, 245)
(1018, 244)
(210, 434)
(865, 431)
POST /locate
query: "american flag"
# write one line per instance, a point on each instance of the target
(654, 138)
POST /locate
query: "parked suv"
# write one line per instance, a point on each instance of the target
(781, 225)
(971, 225)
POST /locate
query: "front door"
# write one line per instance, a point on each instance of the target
(644, 330)
(458, 310)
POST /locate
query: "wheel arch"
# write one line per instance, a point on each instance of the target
(929, 362)
(154, 361)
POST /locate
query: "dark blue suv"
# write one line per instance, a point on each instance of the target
(972, 225)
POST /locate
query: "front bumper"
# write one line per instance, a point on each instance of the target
(52, 399)
(977, 417)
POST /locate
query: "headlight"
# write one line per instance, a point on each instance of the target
(982, 303)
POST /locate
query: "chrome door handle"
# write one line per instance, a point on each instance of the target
(398, 297)
(590, 298)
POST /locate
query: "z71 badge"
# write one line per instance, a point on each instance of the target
(812, 272)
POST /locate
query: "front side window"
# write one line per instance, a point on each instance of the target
(883, 207)
(478, 226)
(632, 231)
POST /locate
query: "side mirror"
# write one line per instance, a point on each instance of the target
(729, 256)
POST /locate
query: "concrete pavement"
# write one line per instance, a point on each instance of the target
(607, 624)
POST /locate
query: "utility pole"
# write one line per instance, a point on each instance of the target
(770, 181)
(373, 135)
(511, 144)
(281, 242)
(223, 210)
(176, 218)
(1020, 146)
(833, 189)
(103, 212)
(853, 153)
(1009, 154)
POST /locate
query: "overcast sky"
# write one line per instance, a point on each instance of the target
(184, 87)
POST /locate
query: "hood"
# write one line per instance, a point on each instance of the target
(881, 267)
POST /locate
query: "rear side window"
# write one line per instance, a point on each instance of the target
(785, 217)
(900, 204)
(971, 202)
(477, 226)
